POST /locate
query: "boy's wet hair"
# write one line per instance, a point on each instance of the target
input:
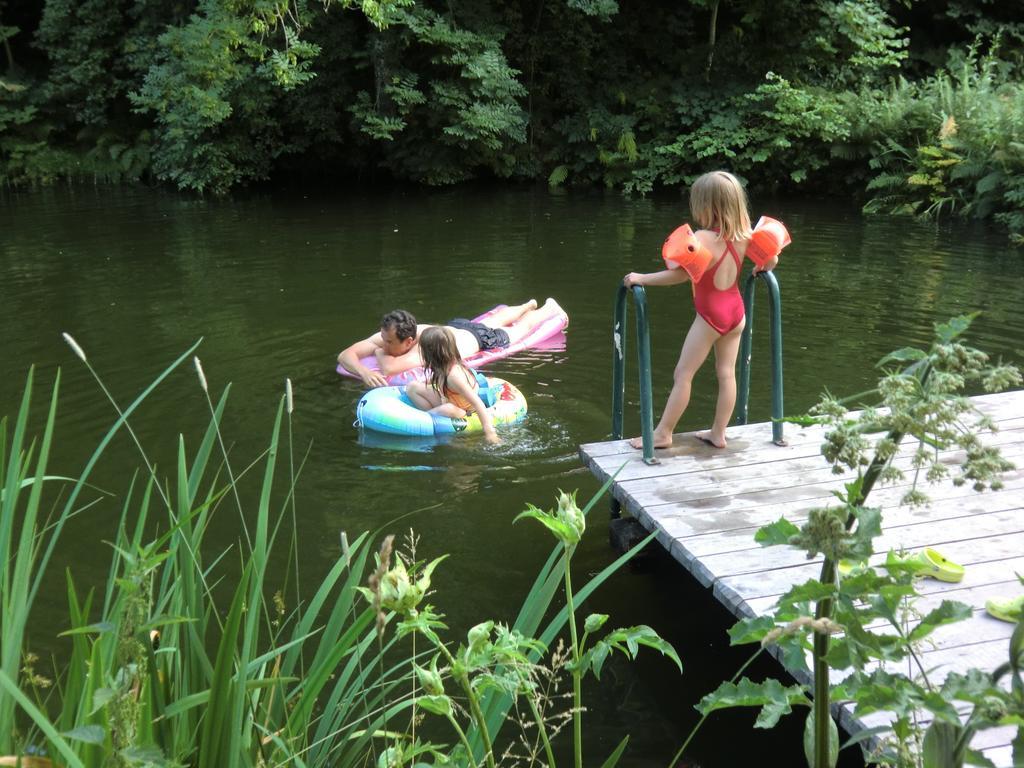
(403, 323)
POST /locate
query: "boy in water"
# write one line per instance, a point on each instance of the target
(396, 345)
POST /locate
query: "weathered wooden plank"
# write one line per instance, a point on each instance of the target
(659, 484)
(999, 526)
(753, 508)
(735, 505)
(696, 456)
(704, 562)
(787, 476)
(702, 536)
(944, 518)
(988, 654)
(981, 581)
(751, 584)
(993, 571)
(1003, 754)
(690, 454)
(754, 469)
(706, 504)
(697, 529)
(759, 434)
(991, 741)
(1001, 407)
(939, 664)
(980, 627)
(650, 488)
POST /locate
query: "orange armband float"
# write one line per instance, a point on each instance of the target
(683, 249)
(767, 241)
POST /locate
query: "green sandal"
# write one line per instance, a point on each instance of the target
(1009, 609)
(849, 568)
(928, 562)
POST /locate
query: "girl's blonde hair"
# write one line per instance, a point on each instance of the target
(718, 201)
(440, 355)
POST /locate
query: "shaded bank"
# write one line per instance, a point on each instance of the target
(842, 97)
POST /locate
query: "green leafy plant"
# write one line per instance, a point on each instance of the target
(498, 667)
(167, 673)
(218, 81)
(211, 96)
(920, 399)
(445, 100)
(965, 154)
(188, 656)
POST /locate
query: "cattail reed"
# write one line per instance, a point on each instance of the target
(344, 548)
(74, 346)
(202, 376)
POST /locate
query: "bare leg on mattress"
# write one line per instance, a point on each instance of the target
(508, 315)
(531, 319)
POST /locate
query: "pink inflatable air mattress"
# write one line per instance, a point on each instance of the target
(542, 333)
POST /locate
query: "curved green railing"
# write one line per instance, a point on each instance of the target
(643, 338)
(775, 332)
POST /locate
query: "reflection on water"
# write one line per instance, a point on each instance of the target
(402, 443)
(276, 285)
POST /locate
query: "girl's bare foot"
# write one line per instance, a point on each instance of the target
(718, 441)
(531, 304)
(660, 441)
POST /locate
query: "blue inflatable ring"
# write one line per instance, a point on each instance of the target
(388, 410)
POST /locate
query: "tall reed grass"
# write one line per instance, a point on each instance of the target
(189, 654)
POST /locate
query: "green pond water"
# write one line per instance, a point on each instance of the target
(277, 284)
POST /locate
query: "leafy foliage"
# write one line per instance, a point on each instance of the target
(864, 621)
(212, 93)
(829, 95)
(964, 154)
(874, 609)
(771, 696)
(445, 100)
(187, 657)
(88, 73)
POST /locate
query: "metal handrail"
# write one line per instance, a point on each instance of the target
(643, 338)
(775, 331)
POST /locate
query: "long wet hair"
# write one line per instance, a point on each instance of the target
(440, 356)
(718, 201)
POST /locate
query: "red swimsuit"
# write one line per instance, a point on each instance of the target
(722, 310)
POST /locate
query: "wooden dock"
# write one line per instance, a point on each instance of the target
(706, 504)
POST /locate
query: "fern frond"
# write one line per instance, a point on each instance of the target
(887, 181)
(627, 146)
(971, 169)
(842, 151)
(558, 175)
(989, 183)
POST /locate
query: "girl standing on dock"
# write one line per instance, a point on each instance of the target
(719, 205)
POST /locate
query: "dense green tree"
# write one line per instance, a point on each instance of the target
(211, 94)
(217, 85)
(828, 94)
(82, 42)
(17, 113)
(444, 99)
(98, 51)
